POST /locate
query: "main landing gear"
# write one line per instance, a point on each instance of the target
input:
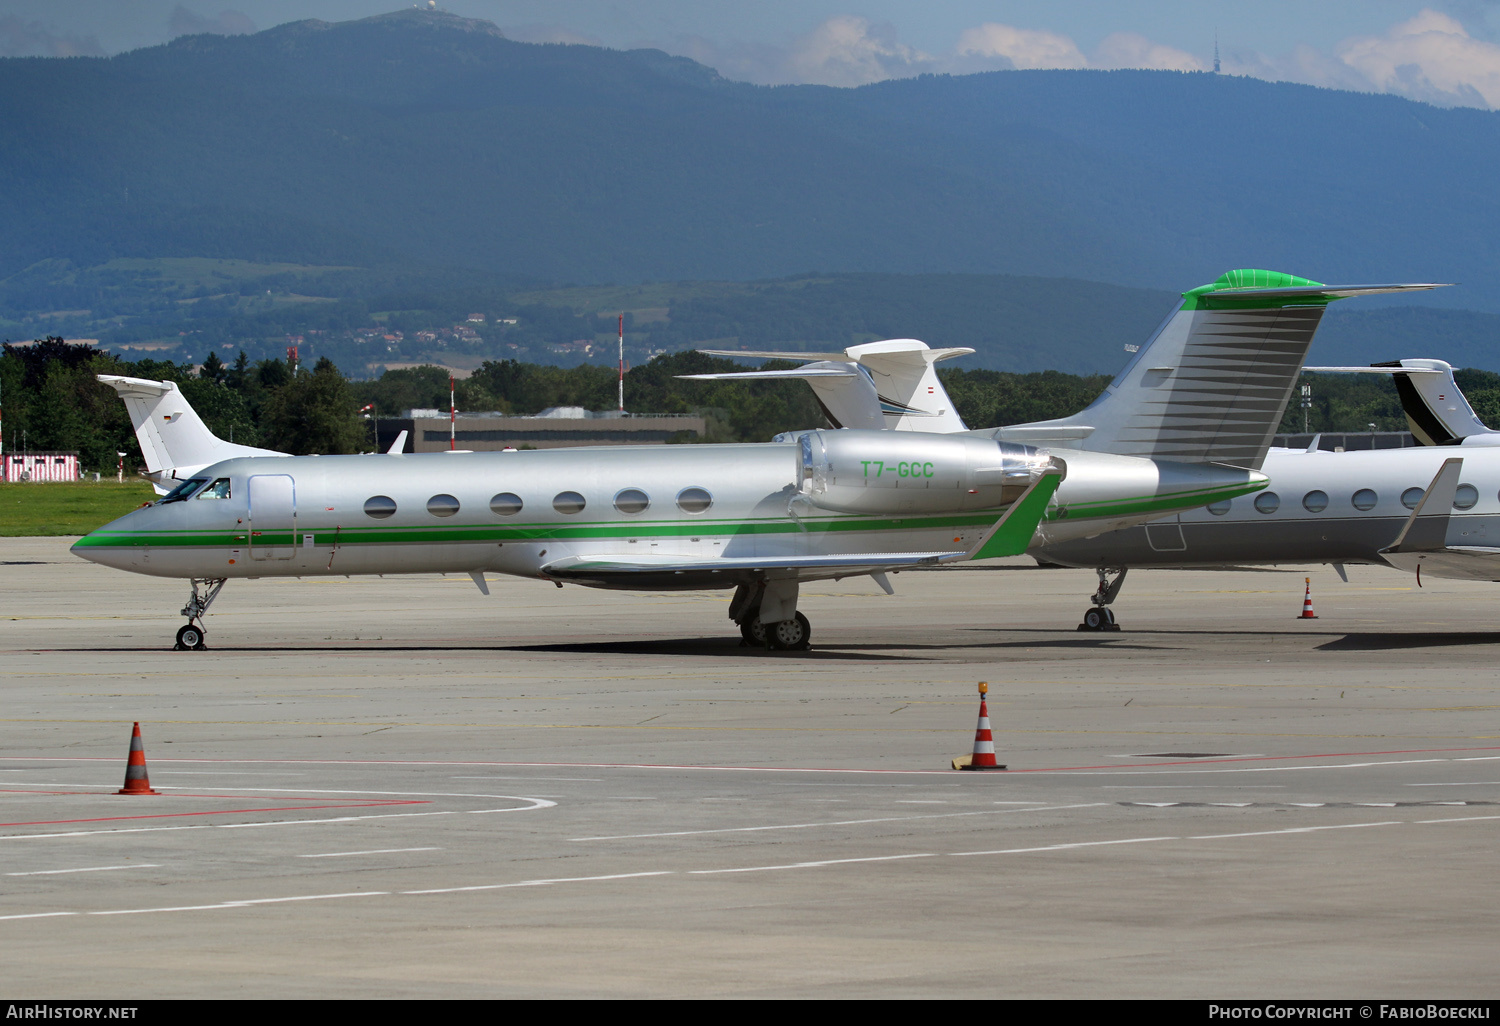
(766, 612)
(191, 634)
(1099, 617)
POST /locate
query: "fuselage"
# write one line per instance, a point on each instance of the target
(1320, 507)
(519, 512)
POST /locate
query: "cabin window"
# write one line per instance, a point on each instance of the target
(1365, 499)
(1315, 501)
(694, 500)
(380, 507)
(1268, 502)
(1412, 496)
(442, 505)
(218, 490)
(1219, 508)
(506, 504)
(632, 500)
(568, 503)
(1465, 497)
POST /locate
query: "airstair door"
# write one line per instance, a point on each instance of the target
(273, 517)
(1166, 536)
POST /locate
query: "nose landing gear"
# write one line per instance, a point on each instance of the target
(191, 634)
(1099, 617)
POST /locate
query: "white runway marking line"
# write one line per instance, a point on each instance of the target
(1242, 769)
(90, 869)
(814, 865)
(546, 882)
(243, 903)
(374, 851)
(537, 804)
(834, 823)
(1295, 830)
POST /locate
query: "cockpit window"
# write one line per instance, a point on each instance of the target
(218, 490)
(184, 490)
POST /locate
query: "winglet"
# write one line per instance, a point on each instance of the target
(1428, 532)
(1012, 533)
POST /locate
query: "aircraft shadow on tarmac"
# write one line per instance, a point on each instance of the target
(1380, 641)
(718, 647)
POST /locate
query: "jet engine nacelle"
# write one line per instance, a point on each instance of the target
(901, 472)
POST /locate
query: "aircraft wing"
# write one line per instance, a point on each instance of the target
(1008, 536)
(1422, 544)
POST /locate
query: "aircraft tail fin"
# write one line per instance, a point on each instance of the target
(1213, 382)
(173, 438)
(891, 384)
(1437, 411)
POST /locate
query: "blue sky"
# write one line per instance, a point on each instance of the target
(1441, 51)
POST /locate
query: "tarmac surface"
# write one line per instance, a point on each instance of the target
(400, 788)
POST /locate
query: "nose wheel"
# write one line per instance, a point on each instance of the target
(1099, 617)
(190, 636)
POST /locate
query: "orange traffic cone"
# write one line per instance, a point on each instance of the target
(136, 781)
(984, 742)
(1307, 613)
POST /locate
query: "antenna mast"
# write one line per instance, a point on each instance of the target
(452, 415)
(622, 362)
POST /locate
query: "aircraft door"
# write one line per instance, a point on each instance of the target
(1166, 536)
(273, 517)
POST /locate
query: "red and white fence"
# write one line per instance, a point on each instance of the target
(40, 466)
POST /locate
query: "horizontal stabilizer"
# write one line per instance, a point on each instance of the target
(812, 370)
(1213, 382)
(887, 384)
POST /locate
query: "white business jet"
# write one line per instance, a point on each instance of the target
(1321, 507)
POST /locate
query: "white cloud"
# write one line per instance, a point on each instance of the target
(228, 23)
(1128, 50)
(1019, 48)
(848, 51)
(1431, 58)
(33, 39)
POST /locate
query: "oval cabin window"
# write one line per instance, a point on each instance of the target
(694, 500)
(442, 505)
(632, 500)
(380, 507)
(568, 503)
(506, 504)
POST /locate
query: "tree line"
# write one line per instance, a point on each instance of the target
(52, 400)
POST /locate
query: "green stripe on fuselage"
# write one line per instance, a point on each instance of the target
(377, 535)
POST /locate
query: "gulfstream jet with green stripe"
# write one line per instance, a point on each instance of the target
(760, 518)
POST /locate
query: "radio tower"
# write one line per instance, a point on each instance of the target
(622, 363)
(1216, 51)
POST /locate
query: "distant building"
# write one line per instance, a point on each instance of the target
(41, 466)
(556, 428)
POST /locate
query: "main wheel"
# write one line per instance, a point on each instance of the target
(792, 635)
(754, 633)
(189, 636)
